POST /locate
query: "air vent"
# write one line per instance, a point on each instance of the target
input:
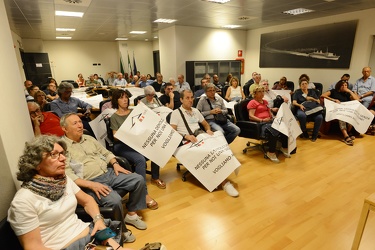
(73, 1)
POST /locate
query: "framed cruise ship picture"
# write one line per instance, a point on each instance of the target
(324, 46)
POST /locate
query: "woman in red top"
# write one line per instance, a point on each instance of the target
(259, 112)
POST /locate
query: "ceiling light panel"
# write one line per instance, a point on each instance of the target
(137, 32)
(68, 13)
(163, 20)
(65, 29)
(297, 11)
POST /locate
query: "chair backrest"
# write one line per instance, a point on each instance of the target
(246, 90)
(240, 109)
(319, 88)
(102, 103)
(8, 239)
(138, 98)
(195, 102)
(224, 91)
(290, 85)
(110, 138)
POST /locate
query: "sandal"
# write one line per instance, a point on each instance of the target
(159, 183)
(348, 141)
(152, 205)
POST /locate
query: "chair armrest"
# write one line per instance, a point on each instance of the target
(8, 239)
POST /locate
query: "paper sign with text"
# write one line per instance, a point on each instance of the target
(352, 112)
(210, 159)
(99, 127)
(286, 123)
(149, 134)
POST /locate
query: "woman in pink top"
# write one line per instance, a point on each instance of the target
(259, 112)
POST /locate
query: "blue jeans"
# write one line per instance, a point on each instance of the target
(229, 130)
(318, 120)
(121, 149)
(134, 184)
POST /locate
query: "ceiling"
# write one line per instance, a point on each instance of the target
(105, 20)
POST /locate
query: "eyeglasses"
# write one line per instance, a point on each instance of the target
(56, 155)
(34, 112)
(150, 94)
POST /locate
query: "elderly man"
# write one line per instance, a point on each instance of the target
(181, 84)
(158, 84)
(170, 99)
(92, 82)
(120, 81)
(87, 162)
(44, 122)
(257, 78)
(201, 91)
(270, 96)
(111, 78)
(193, 118)
(211, 105)
(365, 87)
(144, 82)
(27, 84)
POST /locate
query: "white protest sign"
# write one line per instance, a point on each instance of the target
(352, 112)
(99, 127)
(286, 123)
(162, 111)
(149, 134)
(210, 159)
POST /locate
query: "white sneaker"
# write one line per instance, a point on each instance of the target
(230, 190)
(138, 222)
(285, 152)
(273, 157)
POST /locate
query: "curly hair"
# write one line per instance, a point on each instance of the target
(33, 155)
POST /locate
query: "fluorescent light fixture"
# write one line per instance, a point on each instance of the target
(121, 39)
(218, 1)
(156, 37)
(230, 26)
(163, 20)
(65, 29)
(64, 37)
(297, 11)
(69, 13)
(137, 32)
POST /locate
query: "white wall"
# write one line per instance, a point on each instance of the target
(15, 125)
(167, 48)
(17, 42)
(360, 55)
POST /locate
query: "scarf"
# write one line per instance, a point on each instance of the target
(47, 187)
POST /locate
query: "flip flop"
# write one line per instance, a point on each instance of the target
(348, 141)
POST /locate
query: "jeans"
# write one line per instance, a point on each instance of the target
(121, 149)
(134, 184)
(229, 130)
(318, 120)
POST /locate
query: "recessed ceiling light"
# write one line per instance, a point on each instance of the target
(297, 11)
(137, 32)
(217, 1)
(163, 20)
(65, 29)
(121, 39)
(64, 37)
(230, 26)
(156, 37)
(69, 13)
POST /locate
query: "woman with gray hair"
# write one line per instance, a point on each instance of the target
(42, 213)
(150, 100)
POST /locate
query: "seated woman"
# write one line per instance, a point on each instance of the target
(42, 213)
(300, 97)
(260, 112)
(341, 93)
(120, 101)
(41, 98)
(234, 92)
(80, 80)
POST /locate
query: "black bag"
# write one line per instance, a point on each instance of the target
(219, 118)
(312, 107)
(278, 101)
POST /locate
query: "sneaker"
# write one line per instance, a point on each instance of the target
(285, 152)
(273, 157)
(154, 246)
(128, 237)
(230, 190)
(305, 135)
(138, 222)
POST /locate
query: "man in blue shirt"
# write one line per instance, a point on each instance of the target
(120, 81)
(365, 87)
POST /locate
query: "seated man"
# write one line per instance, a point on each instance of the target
(201, 91)
(158, 84)
(170, 99)
(143, 82)
(31, 90)
(181, 84)
(44, 122)
(120, 81)
(51, 90)
(209, 106)
(90, 172)
(193, 118)
(270, 96)
(92, 82)
(365, 87)
(27, 84)
(345, 77)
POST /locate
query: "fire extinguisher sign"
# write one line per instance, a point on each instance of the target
(239, 54)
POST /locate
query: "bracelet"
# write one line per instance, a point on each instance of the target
(97, 218)
(115, 163)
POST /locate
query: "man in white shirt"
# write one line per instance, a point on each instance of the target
(120, 81)
(181, 84)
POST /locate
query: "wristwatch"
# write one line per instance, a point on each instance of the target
(97, 218)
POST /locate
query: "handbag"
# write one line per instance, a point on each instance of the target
(278, 101)
(219, 118)
(312, 107)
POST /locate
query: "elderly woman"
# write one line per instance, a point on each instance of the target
(42, 213)
(120, 101)
(41, 99)
(150, 99)
(234, 92)
(341, 93)
(301, 99)
(260, 112)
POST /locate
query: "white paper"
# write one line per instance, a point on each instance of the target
(99, 127)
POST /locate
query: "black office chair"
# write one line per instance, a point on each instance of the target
(102, 103)
(8, 239)
(224, 91)
(246, 89)
(318, 88)
(249, 129)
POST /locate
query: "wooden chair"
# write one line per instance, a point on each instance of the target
(369, 204)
